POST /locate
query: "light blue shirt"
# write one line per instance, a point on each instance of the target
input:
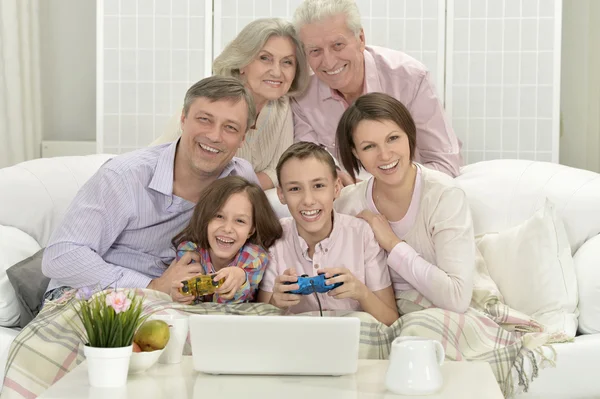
(118, 229)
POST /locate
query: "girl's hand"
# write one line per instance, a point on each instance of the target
(178, 296)
(384, 234)
(234, 277)
(351, 287)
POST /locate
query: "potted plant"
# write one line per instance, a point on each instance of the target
(110, 319)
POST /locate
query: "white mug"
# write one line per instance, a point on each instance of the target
(178, 332)
(414, 367)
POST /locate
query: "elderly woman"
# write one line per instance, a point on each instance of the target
(268, 57)
(419, 215)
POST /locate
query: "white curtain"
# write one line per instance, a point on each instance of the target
(594, 89)
(20, 95)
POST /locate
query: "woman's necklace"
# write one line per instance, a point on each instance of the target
(376, 200)
(379, 202)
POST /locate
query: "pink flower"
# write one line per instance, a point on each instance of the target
(118, 301)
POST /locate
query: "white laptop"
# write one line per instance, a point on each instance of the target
(276, 345)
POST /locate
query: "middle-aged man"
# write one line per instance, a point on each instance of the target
(344, 69)
(118, 229)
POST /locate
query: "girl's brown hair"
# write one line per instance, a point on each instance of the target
(267, 228)
(375, 107)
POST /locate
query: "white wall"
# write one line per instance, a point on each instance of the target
(68, 30)
(68, 76)
(580, 88)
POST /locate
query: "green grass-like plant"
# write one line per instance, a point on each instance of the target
(110, 318)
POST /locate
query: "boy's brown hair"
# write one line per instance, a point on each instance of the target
(267, 228)
(374, 107)
(303, 150)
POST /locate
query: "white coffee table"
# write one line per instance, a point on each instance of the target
(462, 380)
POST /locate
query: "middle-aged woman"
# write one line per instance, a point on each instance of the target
(419, 215)
(268, 57)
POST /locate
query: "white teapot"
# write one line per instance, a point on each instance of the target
(414, 367)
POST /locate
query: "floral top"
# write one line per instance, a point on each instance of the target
(253, 259)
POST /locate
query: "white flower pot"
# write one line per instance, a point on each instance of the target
(107, 367)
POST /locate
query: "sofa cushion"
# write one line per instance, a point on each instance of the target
(532, 265)
(503, 193)
(15, 245)
(30, 285)
(587, 268)
(41, 190)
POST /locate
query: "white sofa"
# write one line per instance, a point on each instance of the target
(503, 193)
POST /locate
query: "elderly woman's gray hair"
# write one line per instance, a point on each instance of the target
(311, 11)
(242, 50)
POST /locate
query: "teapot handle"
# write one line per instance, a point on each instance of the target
(440, 353)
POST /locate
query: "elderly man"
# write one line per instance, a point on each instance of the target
(118, 229)
(345, 69)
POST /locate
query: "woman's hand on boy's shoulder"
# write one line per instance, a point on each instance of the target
(384, 234)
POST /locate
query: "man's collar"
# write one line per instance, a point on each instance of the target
(229, 168)
(164, 174)
(371, 82)
(162, 180)
(373, 85)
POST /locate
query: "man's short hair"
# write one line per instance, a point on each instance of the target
(217, 88)
(310, 11)
(303, 150)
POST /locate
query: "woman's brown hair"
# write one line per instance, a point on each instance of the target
(375, 107)
(267, 228)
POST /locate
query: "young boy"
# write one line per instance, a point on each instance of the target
(316, 239)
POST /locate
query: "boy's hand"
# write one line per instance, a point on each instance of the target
(234, 277)
(280, 297)
(351, 287)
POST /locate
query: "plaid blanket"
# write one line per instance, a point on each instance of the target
(512, 343)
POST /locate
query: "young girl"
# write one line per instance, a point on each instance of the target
(317, 240)
(232, 228)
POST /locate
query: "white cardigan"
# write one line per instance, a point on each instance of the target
(438, 255)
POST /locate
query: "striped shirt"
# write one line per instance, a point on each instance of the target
(117, 230)
(253, 259)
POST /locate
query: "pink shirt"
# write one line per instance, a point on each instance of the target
(351, 244)
(318, 111)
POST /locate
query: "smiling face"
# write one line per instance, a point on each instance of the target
(383, 149)
(308, 188)
(272, 72)
(212, 132)
(230, 228)
(334, 53)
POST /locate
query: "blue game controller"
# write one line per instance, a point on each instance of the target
(308, 285)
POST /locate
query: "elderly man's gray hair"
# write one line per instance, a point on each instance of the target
(217, 88)
(310, 11)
